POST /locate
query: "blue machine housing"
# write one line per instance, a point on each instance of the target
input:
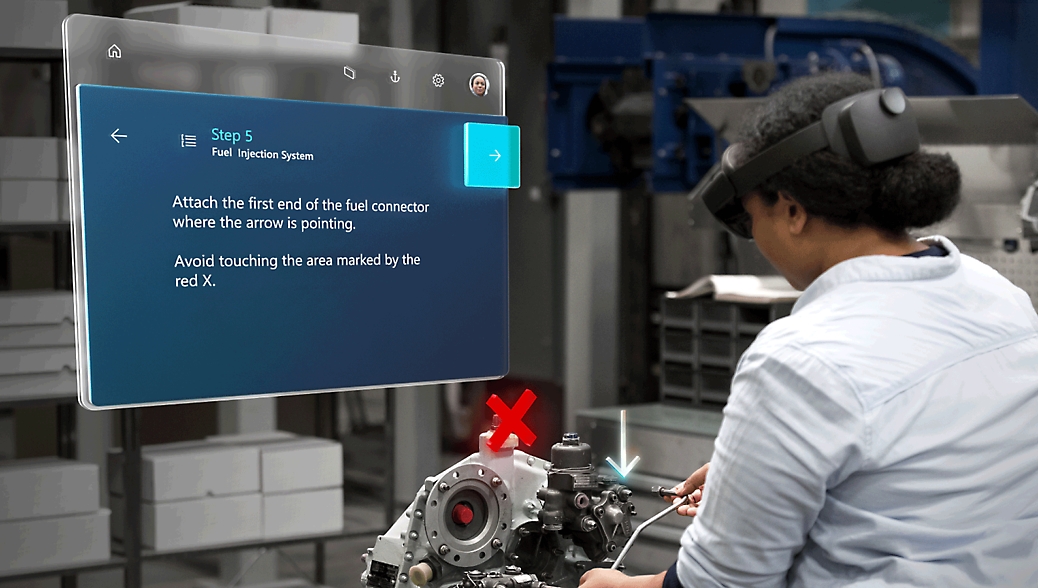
(704, 56)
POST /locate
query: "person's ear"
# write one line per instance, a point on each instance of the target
(792, 212)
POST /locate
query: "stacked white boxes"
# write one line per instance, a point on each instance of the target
(309, 24)
(194, 494)
(233, 489)
(32, 25)
(33, 180)
(301, 482)
(50, 514)
(250, 20)
(37, 345)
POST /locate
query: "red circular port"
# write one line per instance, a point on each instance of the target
(462, 514)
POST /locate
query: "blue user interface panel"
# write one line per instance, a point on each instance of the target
(238, 246)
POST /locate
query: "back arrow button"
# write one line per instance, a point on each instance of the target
(117, 137)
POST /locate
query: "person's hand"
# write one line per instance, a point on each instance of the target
(604, 578)
(693, 488)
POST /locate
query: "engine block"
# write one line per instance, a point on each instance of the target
(506, 519)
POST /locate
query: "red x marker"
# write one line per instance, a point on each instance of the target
(511, 420)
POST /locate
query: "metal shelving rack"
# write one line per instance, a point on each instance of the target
(132, 554)
(66, 409)
(701, 341)
(65, 404)
(132, 550)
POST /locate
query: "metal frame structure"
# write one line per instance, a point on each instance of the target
(654, 64)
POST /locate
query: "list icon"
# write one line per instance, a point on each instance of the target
(188, 141)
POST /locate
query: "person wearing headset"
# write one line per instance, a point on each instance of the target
(886, 432)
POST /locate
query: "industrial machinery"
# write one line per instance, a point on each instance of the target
(647, 105)
(506, 519)
(618, 90)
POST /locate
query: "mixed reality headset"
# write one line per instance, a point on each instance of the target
(870, 128)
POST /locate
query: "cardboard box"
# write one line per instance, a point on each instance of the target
(29, 158)
(192, 469)
(29, 201)
(36, 543)
(37, 360)
(302, 513)
(34, 24)
(250, 20)
(314, 24)
(55, 384)
(35, 307)
(34, 488)
(61, 334)
(188, 524)
(291, 464)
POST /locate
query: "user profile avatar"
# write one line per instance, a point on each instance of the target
(479, 84)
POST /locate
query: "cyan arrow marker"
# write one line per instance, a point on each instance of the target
(624, 468)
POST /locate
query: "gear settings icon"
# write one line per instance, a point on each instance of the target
(438, 80)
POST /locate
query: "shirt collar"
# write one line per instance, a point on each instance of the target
(883, 268)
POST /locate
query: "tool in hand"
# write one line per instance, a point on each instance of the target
(641, 527)
(664, 492)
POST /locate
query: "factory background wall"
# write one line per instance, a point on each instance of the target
(647, 244)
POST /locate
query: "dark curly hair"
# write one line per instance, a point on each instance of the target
(911, 192)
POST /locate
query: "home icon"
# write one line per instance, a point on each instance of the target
(114, 52)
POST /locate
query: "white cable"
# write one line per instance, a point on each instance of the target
(769, 42)
(870, 56)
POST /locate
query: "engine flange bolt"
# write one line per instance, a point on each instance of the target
(408, 556)
(514, 557)
(413, 535)
(444, 487)
(496, 543)
(403, 578)
(417, 514)
(444, 550)
(495, 481)
(611, 547)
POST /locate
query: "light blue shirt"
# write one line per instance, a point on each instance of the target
(884, 434)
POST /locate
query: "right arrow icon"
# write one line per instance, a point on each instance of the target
(495, 155)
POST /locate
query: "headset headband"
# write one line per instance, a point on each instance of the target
(869, 128)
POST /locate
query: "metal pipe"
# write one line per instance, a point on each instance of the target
(641, 527)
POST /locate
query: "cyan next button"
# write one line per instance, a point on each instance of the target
(491, 156)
